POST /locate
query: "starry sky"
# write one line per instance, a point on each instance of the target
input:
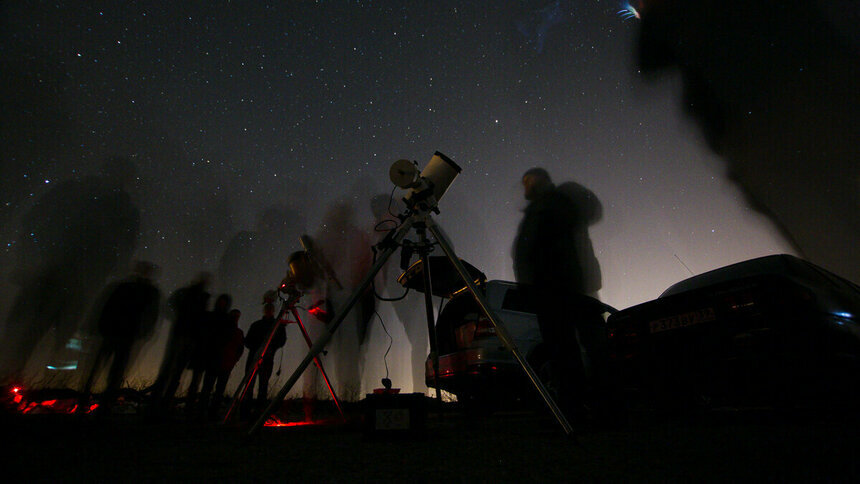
(231, 108)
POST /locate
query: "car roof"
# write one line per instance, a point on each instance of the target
(780, 265)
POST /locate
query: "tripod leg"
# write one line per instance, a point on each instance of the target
(323, 340)
(319, 365)
(501, 332)
(428, 305)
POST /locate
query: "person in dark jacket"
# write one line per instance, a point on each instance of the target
(255, 341)
(128, 313)
(555, 265)
(207, 347)
(227, 346)
(188, 305)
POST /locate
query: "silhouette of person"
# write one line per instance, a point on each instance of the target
(588, 211)
(553, 265)
(127, 314)
(346, 249)
(309, 276)
(227, 347)
(258, 335)
(188, 305)
(207, 348)
(770, 84)
(247, 262)
(72, 239)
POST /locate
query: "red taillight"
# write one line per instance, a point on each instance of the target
(18, 397)
(741, 301)
(626, 342)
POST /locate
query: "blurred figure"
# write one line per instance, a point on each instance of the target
(71, 240)
(207, 348)
(346, 249)
(772, 85)
(252, 260)
(258, 335)
(410, 310)
(227, 347)
(556, 267)
(308, 276)
(588, 211)
(126, 316)
(188, 305)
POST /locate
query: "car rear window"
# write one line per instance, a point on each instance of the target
(778, 265)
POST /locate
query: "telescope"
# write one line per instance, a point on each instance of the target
(428, 187)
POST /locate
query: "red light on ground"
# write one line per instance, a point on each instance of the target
(287, 424)
(276, 422)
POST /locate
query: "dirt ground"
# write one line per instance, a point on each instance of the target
(511, 446)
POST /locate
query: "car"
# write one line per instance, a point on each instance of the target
(774, 330)
(474, 364)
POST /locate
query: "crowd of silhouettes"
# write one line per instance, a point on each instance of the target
(553, 259)
(207, 343)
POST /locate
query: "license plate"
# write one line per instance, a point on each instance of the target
(691, 318)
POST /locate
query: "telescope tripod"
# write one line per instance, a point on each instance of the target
(418, 218)
(288, 307)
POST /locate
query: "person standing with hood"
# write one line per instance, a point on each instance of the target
(555, 266)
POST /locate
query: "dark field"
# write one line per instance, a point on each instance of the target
(514, 446)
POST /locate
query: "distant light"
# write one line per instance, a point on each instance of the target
(843, 314)
(67, 366)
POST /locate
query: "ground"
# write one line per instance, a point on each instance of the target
(510, 446)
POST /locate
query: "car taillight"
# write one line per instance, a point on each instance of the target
(484, 328)
(625, 342)
(742, 301)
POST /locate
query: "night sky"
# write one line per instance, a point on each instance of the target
(235, 108)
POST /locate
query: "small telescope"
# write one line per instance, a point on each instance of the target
(301, 271)
(427, 187)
